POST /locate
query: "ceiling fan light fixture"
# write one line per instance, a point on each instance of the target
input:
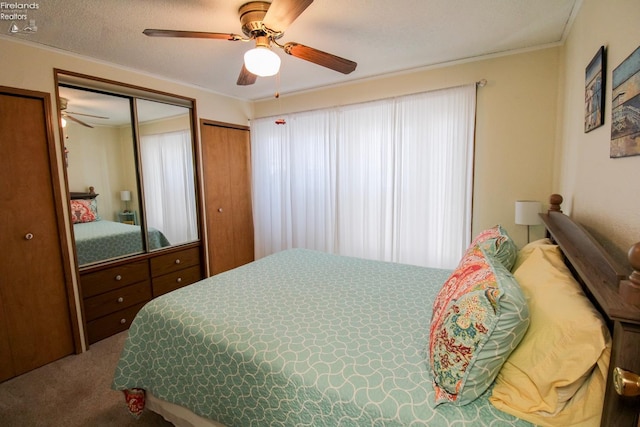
(262, 61)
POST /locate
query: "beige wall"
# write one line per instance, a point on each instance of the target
(172, 124)
(600, 192)
(30, 67)
(515, 131)
(91, 152)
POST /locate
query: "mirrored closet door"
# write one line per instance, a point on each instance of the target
(167, 166)
(130, 170)
(133, 190)
(100, 157)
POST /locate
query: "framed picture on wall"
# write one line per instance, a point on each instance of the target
(594, 92)
(625, 108)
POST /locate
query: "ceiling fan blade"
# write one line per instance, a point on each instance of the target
(86, 115)
(73, 119)
(282, 13)
(319, 57)
(246, 77)
(191, 34)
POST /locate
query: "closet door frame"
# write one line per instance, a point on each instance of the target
(56, 157)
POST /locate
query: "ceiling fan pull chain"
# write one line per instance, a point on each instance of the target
(280, 121)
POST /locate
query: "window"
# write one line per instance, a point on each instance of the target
(388, 180)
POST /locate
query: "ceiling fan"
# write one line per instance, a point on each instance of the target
(265, 24)
(67, 114)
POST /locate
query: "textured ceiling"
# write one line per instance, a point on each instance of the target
(381, 36)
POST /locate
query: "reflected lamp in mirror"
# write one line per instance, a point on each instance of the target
(527, 213)
(125, 196)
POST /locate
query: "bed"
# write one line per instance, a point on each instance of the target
(308, 338)
(98, 239)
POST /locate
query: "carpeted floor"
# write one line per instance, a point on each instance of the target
(74, 391)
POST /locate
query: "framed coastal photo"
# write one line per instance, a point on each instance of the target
(625, 108)
(594, 92)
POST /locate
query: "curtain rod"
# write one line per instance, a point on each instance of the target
(479, 83)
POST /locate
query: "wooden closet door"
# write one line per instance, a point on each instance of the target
(35, 319)
(226, 158)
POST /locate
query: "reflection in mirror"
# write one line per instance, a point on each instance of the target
(135, 147)
(100, 154)
(168, 176)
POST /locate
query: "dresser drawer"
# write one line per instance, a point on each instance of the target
(172, 281)
(174, 261)
(115, 300)
(112, 278)
(111, 324)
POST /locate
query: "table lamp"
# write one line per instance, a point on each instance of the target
(527, 214)
(125, 196)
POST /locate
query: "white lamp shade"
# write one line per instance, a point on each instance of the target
(527, 212)
(125, 195)
(262, 61)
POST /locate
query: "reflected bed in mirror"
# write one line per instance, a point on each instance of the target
(98, 239)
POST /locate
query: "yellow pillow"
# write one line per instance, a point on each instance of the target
(527, 249)
(550, 379)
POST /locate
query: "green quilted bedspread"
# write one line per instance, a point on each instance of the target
(102, 240)
(299, 338)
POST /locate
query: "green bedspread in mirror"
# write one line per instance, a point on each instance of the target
(102, 240)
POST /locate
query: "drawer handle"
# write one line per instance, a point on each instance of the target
(178, 261)
(123, 321)
(179, 279)
(28, 236)
(120, 299)
(118, 277)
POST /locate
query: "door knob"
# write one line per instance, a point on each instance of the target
(220, 210)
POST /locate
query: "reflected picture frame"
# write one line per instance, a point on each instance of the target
(595, 78)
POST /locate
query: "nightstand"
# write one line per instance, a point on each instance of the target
(129, 217)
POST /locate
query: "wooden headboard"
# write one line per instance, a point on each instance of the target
(615, 291)
(78, 195)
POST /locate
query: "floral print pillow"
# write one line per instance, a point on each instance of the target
(479, 317)
(82, 211)
(496, 243)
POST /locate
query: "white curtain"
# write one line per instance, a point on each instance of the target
(388, 180)
(169, 187)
